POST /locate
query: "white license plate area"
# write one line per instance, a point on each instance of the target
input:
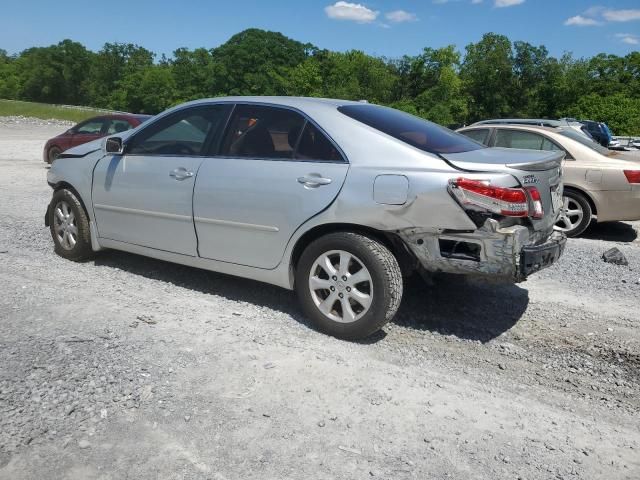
(556, 199)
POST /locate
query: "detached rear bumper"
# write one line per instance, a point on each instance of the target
(535, 258)
(509, 254)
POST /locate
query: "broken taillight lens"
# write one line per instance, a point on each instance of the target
(510, 202)
(633, 176)
(537, 210)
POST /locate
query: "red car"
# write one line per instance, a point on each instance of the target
(89, 130)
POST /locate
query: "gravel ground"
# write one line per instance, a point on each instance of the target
(127, 367)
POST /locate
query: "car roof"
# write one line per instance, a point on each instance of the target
(523, 121)
(281, 100)
(520, 126)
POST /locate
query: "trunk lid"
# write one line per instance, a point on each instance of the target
(531, 168)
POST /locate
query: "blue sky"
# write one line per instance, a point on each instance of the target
(382, 27)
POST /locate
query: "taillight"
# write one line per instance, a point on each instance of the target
(510, 202)
(537, 211)
(633, 176)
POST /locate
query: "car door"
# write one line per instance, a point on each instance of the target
(275, 170)
(144, 197)
(88, 131)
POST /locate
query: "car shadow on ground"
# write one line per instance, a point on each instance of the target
(612, 232)
(467, 308)
(452, 306)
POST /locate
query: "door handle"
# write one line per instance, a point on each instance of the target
(314, 180)
(180, 173)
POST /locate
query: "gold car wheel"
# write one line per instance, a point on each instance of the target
(571, 215)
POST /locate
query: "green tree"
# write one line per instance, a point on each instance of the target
(487, 74)
(193, 73)
(257, 62)
(432, 87)
(619, 111)
(54, 74)
(109, 69)
(9, 81)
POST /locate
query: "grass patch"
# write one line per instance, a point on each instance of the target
(46, 111)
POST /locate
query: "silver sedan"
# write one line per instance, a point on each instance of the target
(338, 200)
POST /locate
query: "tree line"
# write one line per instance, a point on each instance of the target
(494, 78)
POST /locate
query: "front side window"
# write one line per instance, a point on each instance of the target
(415, 131)
(187, 132)
(480, 135)
(92, 127)
(258, 131)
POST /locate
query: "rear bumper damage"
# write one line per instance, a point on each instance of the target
(504, 253)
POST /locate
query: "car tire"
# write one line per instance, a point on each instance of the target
(348, 284)
(53, 153)
(576, 214)
(69, 226)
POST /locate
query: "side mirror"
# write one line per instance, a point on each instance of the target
(114, 145)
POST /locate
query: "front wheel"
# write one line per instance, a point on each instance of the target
(69, 226)
(348, 284)
(54, 152)
(575, 215)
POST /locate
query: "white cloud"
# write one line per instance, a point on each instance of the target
(621, 15)
(507, 3)
(354, 12)
(628, 38)
(581, 21)
(400, 16)
(599, 15)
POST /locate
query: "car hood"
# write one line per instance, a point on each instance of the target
(90, 147)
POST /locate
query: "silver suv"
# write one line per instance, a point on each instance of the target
(335, 199)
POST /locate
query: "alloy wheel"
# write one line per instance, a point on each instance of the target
(571, 215)
(64, 225)
(341, 286)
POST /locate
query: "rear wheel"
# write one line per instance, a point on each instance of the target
(348, 284)
(575, 215)
(54, 152)
(69, 226)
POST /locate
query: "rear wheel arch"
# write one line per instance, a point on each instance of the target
(392, 241)
(582, 192)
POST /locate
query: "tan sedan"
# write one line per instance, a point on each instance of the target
(598, 183)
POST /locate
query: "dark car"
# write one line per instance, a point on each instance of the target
(89, 130)
(598, 131)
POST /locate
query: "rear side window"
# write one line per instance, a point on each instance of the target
(415, 131)
(314, 145)
(183, 133)
(518, 139)
(549, 145)
(262, 132)
(480, 135)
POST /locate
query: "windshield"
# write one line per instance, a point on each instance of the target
(587, 142)
(415, 131)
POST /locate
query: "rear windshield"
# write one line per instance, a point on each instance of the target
(415, 131)
(584, 140)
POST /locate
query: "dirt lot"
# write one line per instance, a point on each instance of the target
(126, 367)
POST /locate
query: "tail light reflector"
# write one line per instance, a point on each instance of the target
(510, 202)
(633, 176)
(537, 210)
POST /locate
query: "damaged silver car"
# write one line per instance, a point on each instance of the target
(338, 200)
